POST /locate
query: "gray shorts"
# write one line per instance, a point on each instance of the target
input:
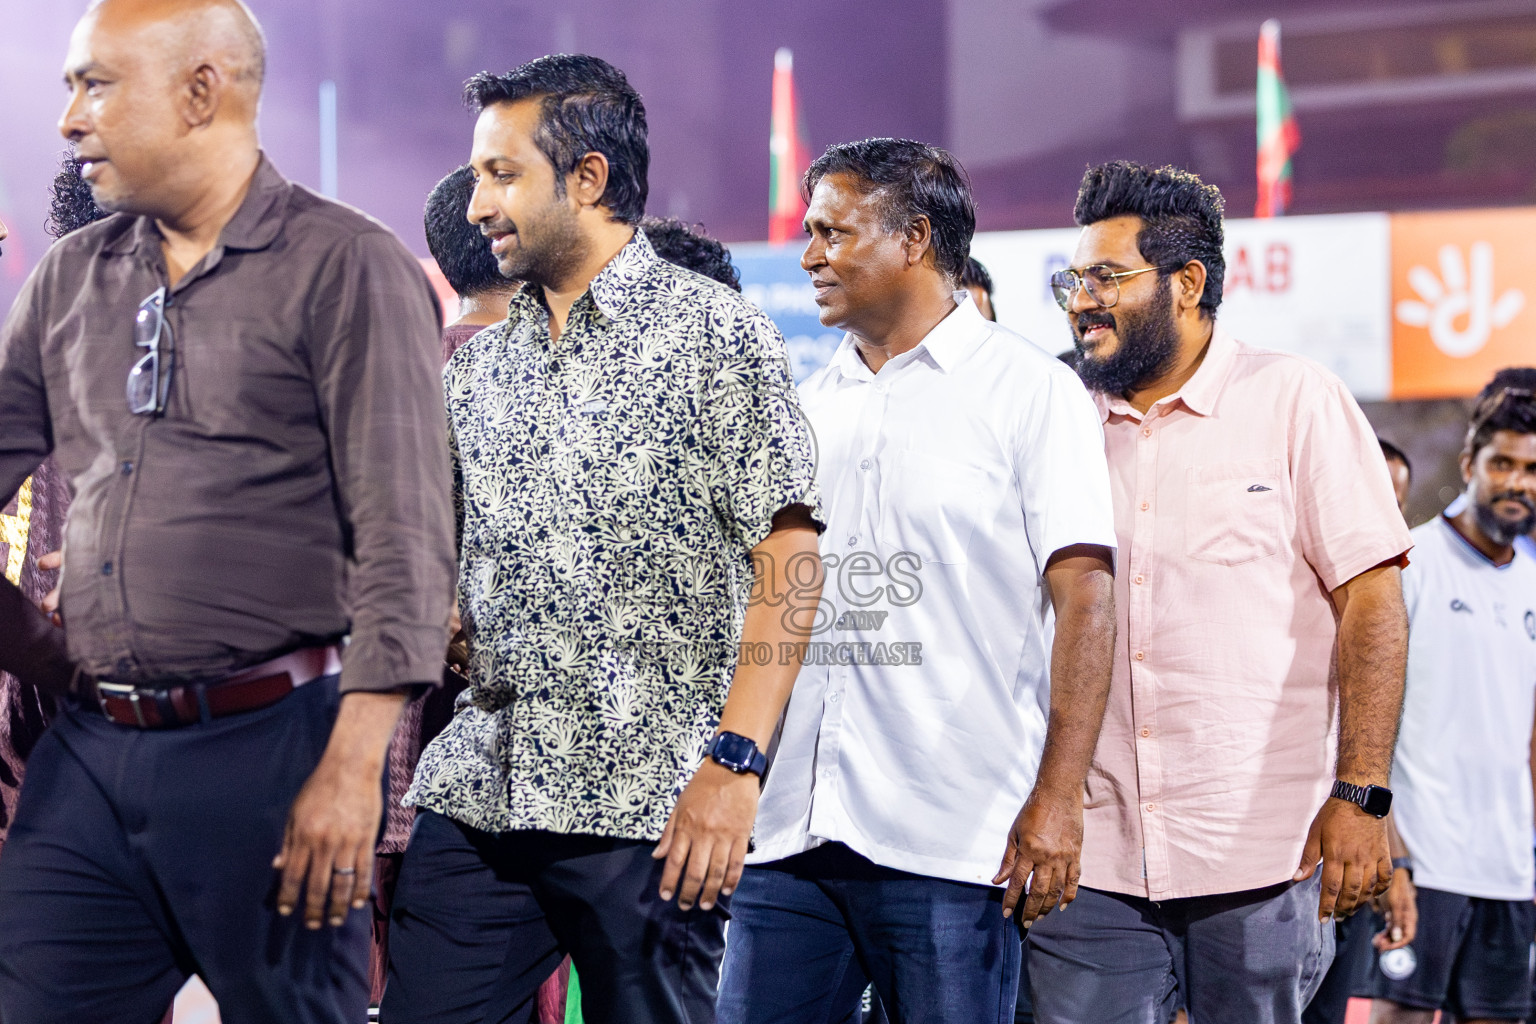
(1251, 957)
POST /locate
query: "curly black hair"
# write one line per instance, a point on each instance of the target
(911, 180)
(70, 203)
(1508, 406)
(690, 248)
(1181, 215)
(588, 107)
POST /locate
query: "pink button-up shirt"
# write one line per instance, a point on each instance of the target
(1241, 502)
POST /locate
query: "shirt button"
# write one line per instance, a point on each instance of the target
(106, 568)
(1140, 656)
(127, 468)
(1146, 431)
(1141, 579)
(865, 464)
(834, 697)
(1145, 733)
(1151, 807)
(880, 389)
(852, 541)
(1145, 506)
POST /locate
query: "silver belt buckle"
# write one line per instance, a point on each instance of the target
(105, 690)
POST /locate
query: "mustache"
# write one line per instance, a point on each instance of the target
(498, 227)
(1102, 318)
(1518, 498)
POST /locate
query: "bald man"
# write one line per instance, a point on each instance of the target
(239, 379)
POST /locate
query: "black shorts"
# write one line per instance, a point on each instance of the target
(1471, 956)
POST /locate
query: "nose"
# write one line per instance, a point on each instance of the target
(73, 124)
(1081, 301)
(814, 255)
(480, 207)
(4, 233)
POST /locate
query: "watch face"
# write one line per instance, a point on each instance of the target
(734, 751)
(1377, 801)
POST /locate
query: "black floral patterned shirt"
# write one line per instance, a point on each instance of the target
(609, 489)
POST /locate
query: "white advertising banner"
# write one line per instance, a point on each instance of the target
(1316, 286)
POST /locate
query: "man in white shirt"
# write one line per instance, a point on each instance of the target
(969, 561)
(1463, 770)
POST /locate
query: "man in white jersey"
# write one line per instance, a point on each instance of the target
(1463, 771)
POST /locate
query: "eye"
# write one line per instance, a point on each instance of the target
(92, 85)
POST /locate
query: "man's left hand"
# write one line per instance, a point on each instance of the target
(705, 841)
(1047, 841)
(1356, 861)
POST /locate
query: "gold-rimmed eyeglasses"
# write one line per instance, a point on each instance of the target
(1102, 282)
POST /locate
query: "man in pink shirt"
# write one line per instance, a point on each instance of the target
(1235, 800)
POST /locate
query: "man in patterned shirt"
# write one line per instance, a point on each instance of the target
(629, 458)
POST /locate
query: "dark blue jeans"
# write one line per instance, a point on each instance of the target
(809, 930)
(139, 858)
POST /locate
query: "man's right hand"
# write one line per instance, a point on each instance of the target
(1400, 906)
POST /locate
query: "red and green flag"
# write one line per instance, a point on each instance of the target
(789, 154)
(1278, 135)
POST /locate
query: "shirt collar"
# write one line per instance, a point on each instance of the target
(252, 227)
(946, 346)
(612, 290)
(1198, 394)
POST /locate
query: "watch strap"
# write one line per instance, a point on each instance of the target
(1349, 791)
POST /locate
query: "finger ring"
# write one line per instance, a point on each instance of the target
(344, 871)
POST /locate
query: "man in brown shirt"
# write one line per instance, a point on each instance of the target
(238, 378)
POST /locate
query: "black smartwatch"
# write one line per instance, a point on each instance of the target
(737, 753)
(1373, 800)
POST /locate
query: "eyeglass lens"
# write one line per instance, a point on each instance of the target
(1103, 287)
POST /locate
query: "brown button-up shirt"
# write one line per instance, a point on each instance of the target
(296, 488)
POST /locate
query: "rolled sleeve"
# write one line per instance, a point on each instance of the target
(376, 332)
(1062, 471)
(761, 447)
(1346, 514)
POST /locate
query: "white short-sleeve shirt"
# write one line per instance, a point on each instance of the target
(1461, 779)
(915, 729)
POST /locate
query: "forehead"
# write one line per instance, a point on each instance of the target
(101, 39)
(1512, 445)
(1110, 241)
(506, 130)
(843, 197)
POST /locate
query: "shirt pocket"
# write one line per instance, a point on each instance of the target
(928, 505)
(1234, 511)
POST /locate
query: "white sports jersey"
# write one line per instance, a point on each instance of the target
(1462, 779)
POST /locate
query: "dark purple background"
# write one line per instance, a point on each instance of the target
(1025, 92)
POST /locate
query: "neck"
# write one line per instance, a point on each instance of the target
(483, 308)
(904, 324)
(1466, 524)
(1194, 342)
(604, 244)
(192, 233)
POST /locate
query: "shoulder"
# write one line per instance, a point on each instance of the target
(1283, 373)
(1008, 364)
(328, 224)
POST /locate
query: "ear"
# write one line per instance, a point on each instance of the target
(1190, 286)
(917, 240)
(587, 183)
(1465, 462)
(203, 90)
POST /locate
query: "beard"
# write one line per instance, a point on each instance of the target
(549, 246)
(1149, 345)
(1498, 529)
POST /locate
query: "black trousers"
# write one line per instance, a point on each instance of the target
(139, 858)
(480, 919)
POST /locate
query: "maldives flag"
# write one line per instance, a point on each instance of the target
(1278, 135)
(789, 154)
